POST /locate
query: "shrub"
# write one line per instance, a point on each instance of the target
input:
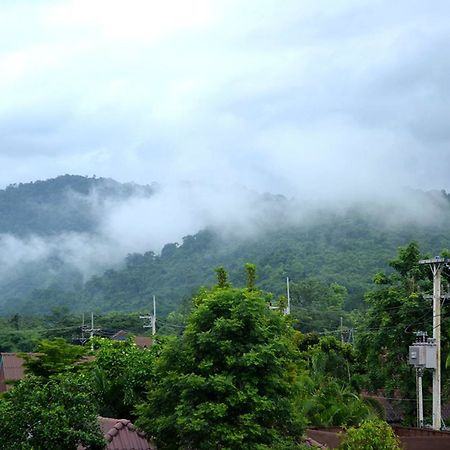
(370, 435)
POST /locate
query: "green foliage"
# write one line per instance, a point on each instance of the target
(54, 414)
(24, 332)
(386, 330)
(316, 306)
(222, 277)
(52, 357)
(328, 396)
(228, 381)
(120, 376)
(370, 435)
(251, 276)
(25, 207)
(48, 208)
(326, 402)
(396, 309)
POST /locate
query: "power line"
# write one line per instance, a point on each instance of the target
(29, 330)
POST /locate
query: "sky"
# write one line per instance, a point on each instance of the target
(299, 97)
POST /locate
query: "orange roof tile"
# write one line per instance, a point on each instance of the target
(121, 434)
(143, 341)
(11, 369)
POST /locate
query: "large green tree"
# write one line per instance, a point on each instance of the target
(56, 414)
(396, 309)
(229, 380)
(54, 356)
(120, 375)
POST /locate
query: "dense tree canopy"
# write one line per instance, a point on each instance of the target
(229, 380)
(120, 376)
(55, 414)
(239, 376)
(397, 308)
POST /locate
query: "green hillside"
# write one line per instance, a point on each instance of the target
(62, 204)
(347, 248)
(34, 215)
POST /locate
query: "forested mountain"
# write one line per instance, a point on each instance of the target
(63, 204)
(346, 247)
(45, 225)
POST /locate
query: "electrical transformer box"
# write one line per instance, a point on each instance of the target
(423, 355)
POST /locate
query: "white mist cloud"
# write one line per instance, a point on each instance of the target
(89, 254)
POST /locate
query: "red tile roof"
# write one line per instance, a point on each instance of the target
(143, 341)
(140, 341)
(11, 368)
(121, 434)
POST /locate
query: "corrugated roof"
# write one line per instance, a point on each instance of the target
(121, 335)
(11, 369)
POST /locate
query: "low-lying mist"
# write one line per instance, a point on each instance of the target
(144, 222)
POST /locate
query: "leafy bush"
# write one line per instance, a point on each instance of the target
(370, 435)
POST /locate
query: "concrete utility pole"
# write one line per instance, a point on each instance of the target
(437, 265)
(422, 355)
(151, 318)
(91, 330)
(288, 307)
(154, 317)
(419, 376)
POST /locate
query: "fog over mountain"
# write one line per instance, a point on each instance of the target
(91, 225)
(327, 104)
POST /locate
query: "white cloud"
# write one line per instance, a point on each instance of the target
(135, 20)
(269, 95)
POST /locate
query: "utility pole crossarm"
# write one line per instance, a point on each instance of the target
(435, 260)
(150, 318)
(90, 330)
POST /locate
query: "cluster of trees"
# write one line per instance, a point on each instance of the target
(394, 309)
(59, 205)
(21, 333)
(66, 204)
(239, 376)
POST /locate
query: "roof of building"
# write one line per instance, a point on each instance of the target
(120, 335)
(11, 369)
(140, 341)
(121, 434)
(143, 341)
